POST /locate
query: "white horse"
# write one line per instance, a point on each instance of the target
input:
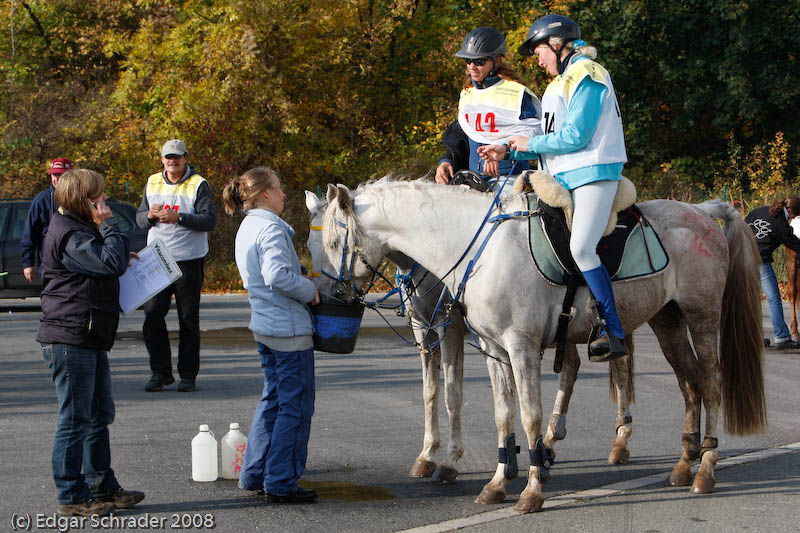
(450, 352)
(515, 311)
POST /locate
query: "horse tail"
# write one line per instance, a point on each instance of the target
(741, 336)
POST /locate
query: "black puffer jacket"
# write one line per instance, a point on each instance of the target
(771, 232)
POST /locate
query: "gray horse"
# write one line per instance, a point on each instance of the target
(515, 311)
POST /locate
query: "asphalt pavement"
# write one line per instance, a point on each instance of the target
(367, 431)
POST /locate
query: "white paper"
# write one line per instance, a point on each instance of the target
(154, 271)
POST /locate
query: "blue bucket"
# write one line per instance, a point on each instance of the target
(336, 325)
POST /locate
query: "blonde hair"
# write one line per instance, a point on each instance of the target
(582, 48)
(76, 188)
(243, 192)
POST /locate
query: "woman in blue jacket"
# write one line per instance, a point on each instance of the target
(281, 323)
(584, 148)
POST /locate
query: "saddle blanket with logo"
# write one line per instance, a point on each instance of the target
(633, 249)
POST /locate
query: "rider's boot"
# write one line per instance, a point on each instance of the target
(610, 344)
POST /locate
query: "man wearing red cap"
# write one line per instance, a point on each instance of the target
(39, 215)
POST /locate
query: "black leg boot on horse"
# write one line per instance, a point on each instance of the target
(607, 340)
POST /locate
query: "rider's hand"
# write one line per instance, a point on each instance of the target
(315, 301)
(492, 152)
(518, 143)
(28, 273)
(491, 168)
(444, 172)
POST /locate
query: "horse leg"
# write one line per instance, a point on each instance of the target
(424, 465)
(704, 337)
(502, 378)
(557, 427)
(791, 274)
(527, 374)
(452, 350)
(671, 330)
(621, 374)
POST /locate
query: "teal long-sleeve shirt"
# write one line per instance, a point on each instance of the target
(582, 117)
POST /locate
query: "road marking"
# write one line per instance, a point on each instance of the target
(600, 492)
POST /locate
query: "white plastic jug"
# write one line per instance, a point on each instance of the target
(204, 455)
(234, 444)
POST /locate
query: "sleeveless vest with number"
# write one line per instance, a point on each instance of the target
(183, 243)
(491, 115)
(607, 145)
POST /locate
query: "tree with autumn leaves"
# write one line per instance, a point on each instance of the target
(344, 91)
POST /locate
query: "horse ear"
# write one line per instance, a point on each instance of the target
(344, 198)
(312, 202)
(332, 193)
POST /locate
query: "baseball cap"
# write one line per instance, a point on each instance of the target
(173, 147)
(59, 166)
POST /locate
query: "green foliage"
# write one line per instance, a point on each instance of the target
(346, 91)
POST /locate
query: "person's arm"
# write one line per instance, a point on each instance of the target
(107, 257)
(204, 217)
(583, 114)
(28, 241)
(276, 266)
(144, 216)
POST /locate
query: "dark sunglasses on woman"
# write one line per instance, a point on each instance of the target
(478, 62)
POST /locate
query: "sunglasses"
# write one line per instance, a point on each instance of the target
(173, 156)
(478, 62)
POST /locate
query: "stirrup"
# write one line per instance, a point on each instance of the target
(603, 345)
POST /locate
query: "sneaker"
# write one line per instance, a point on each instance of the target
(158, 381)
(301, 495)
(88, 507)
(788, 344)
(123, 499)
(186, 385)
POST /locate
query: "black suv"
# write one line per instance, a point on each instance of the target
(12, 219)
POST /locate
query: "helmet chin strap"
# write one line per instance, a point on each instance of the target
(562, 63)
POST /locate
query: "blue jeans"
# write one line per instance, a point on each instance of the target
(769, 284)
(277, 446)
(85, 409)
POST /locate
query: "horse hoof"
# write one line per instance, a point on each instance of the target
(681, 476)
(529, 504)
(703, 484)
(491, 495)
(619, 455)
(444, 475)
(422, 468)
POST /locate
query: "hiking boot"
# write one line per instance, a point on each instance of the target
(88, 507)
(158, 381)
(606, 347)
(186, 385)
(123, 499)
(301, 495)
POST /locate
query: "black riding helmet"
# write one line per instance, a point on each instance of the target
(483, 42)
(550, 26)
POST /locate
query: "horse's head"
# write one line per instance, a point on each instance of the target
(316, 209)
(344, 248)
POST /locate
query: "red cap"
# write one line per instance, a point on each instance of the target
(60, 165)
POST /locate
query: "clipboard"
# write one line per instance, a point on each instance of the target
(151, 273)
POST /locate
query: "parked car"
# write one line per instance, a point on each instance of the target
(12, 220)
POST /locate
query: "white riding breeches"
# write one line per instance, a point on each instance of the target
(591, 208)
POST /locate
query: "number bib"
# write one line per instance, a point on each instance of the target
(491, 115)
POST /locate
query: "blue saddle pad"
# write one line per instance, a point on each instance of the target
(642, 255)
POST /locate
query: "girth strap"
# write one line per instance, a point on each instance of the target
(573, 281)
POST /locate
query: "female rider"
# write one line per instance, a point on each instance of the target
(494, 105)
(584, 148)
